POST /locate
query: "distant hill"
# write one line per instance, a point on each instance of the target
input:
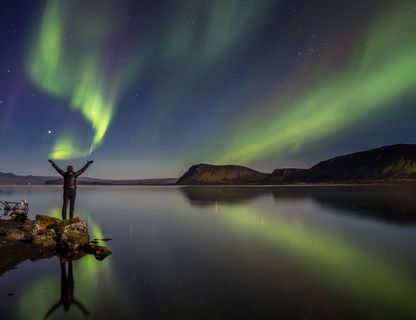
(396, 163)
(389, 163)
(91, 181)
(205, 174)
(12, 179)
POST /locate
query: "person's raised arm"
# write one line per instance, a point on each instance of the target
(82, 170)
(81, 307)
(61, 172)
(52, 309)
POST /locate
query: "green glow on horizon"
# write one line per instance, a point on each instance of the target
(364, 276)
(69, 62)
(381, 72)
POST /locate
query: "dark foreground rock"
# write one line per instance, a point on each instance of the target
(45, 237)
(14, 252)
(99, 252)
(17, 234)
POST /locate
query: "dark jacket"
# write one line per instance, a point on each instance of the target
(70, 177)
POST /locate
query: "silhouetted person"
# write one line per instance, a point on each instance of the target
(70, 186)
(67, 292)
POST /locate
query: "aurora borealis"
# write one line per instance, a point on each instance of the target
(156, 86)
(80, 75)
(381, 76)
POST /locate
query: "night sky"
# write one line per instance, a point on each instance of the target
(148, 88)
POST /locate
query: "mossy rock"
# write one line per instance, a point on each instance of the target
(61, 225)
(74, 235)
(31, 227)
(17, 234)
(46, 222)
(44, 241)
(49, 233)
(18, 216)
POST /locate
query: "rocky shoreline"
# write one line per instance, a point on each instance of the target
(43, 238)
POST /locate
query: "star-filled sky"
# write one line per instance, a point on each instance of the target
(148, 88)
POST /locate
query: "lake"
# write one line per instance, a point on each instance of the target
(226, 253)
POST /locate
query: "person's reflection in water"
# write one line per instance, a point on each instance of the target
(67, 292)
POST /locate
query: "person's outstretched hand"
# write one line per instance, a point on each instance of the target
(90, 161)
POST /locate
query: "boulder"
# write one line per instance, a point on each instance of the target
(49, 233)
(44, 241)
(6, 225)
(31, 227)
(46, 222)
(99, 252)
(74, 234)
(17, 234)
(18, 216)
(68, 238)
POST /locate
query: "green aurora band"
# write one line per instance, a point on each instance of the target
(206, 49)
(67, 60)
(367, 277)
(381, 72)
(331, 259)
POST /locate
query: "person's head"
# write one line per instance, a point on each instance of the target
(70, 169)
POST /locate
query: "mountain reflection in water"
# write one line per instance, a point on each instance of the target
(228, 253)
(394, 204)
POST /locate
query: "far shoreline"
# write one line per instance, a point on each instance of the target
(294, 185)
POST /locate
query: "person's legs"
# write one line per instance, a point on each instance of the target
(65, 203)
(72, 203)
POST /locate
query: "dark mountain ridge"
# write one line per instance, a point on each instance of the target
(389, 163)
(395, 163)
(214, 174)
(12, 179)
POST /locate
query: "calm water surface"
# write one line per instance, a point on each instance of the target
(226, 253)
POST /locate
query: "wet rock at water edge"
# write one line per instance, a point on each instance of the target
(17, 235)
(99, 252)
(47, 236)
(31, 227)
(103, 239)
(46, 222)
(74, 235)
(44, 241)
